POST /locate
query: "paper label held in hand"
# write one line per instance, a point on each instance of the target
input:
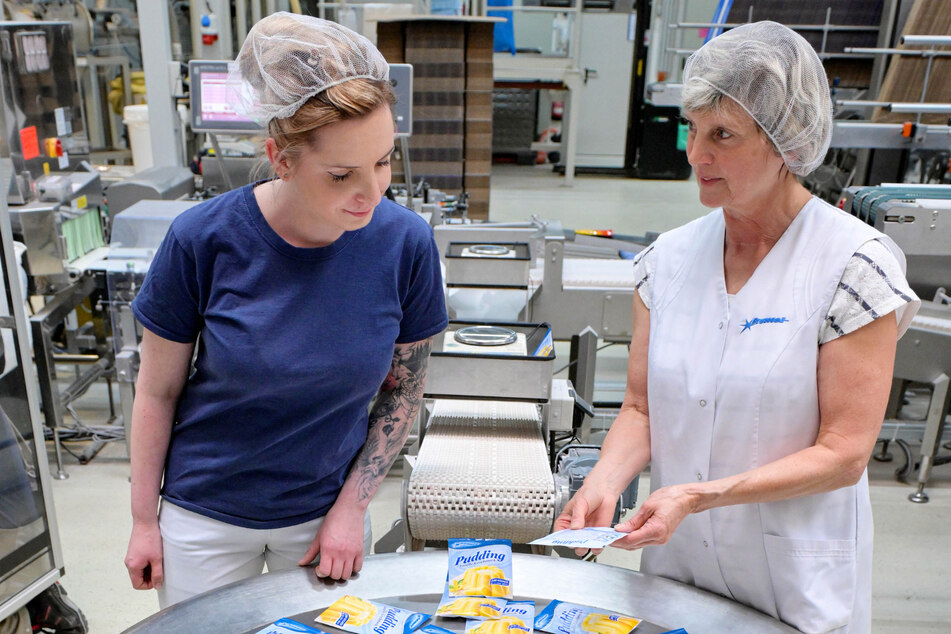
(590, 537)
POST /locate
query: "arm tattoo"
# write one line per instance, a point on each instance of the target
(392, 415)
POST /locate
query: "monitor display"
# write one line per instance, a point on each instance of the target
(211, 110)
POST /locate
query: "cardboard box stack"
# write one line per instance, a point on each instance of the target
(451, 146)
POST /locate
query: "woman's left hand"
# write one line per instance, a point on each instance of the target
(339, 542)
(657, 519)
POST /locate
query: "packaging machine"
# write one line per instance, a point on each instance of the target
(30, 555)
(486, 451)
(918, 218)
(580, 284)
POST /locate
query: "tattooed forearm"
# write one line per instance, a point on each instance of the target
(392, 416)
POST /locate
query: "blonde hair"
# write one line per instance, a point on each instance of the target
(349, 100)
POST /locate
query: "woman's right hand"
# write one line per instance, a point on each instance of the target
(144, 557)
(590, 506)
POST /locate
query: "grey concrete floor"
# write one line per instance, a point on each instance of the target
(912, 544)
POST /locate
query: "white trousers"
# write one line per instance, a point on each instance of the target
(200, 553)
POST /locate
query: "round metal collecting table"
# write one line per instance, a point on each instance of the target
(416, 580)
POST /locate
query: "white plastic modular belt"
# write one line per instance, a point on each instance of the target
(482, 472)
(590, 273)
(934, 323)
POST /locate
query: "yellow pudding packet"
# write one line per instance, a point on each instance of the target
(568, 618)
(516, 618)
(470, 607)
(480, 568)
(360, 616)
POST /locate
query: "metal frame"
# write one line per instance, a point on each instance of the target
(924, 356)
(577, 309)
(42, 324)
(33, 400)
(164, 124)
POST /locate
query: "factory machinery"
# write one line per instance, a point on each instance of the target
(503, 444)
(62, 224)
(30, 556)
(489, 442)
(918, 218)
(583, 285)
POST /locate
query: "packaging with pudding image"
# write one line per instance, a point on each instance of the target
(480, 568)
(560, 617)
(353, 614)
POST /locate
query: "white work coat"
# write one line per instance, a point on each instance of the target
(732, 386)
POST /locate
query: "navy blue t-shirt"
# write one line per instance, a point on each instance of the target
(295, 343)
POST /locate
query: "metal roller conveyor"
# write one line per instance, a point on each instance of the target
(415, 581)
(482, 471)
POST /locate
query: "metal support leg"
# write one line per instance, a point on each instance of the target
(895, 399)
(932, 438)
(41, 325)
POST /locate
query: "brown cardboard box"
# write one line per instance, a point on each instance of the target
(477, 182)
(480, 37)
(438, 84)
(431, 54)
(445, 154)
(437, 168)
(480, 83)
(456, 141)
(451, 144)
(434, 126)
(477, 153)
(422, 113)
(441, 33)
(439, 68)
(479, 104)
(479, 126)
(390, 41)
(433, 98)
(475, 139)
(480, 167)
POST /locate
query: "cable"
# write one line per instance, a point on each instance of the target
(565, 367)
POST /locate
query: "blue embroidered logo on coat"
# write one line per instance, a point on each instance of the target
(749, 323)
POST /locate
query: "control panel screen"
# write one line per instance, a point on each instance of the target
(211, 109)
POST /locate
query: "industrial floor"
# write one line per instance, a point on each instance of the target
(912, 541)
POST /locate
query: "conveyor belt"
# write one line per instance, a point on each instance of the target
(864, 202)
(942, 324)
(591, 273)
(482, 471)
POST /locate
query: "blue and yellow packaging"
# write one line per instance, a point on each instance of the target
(517, 617)
(360, 616)
(433, 629)
(480, 568)
(288, 626)
(568, 618)
(478, 608)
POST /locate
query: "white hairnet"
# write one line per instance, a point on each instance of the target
(288, 58)
(776, 76)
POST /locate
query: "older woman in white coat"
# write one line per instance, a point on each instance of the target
(761, 360)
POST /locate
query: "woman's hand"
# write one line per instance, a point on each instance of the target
(589, 507)
(144, 556)
(657, 519)
(339, 542)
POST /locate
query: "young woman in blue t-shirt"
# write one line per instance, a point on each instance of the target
(302, 300)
